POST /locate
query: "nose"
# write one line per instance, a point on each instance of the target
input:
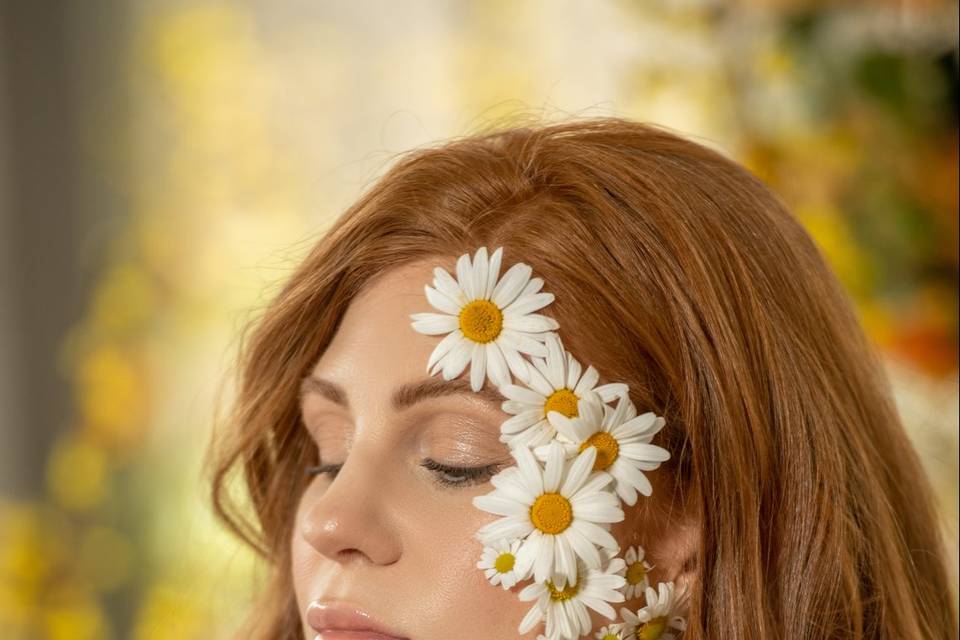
(353, 520)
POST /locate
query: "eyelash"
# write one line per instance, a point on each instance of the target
(469, 475)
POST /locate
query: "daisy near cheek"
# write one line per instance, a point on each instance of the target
(551, 513)
(504, 562)
(499, 564)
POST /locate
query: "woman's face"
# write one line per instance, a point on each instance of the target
(385, 534)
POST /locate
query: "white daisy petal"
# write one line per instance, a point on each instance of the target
(598, 511)
(443, 348)
(532, 287)
(480, 272)
(524, 343)
(611, 391)
(497, 365)
(534, 615)
(445, 283)
(521, 421)
(478, 366)
(543, 565)
(600, 607)
(593, 484)
(587, 381)
(511, 284)
(583, 547)
(574, 370)
(579, 470)
(529, 469)
(508, 527)
(499, 505)
(563, 425)
(530, 323)
(556, 361)
(465, 276)
(566, 559)
(522, 394)
(441, 301)
(516, 363)
(595, 533)
(643, 451)
(433, 324)
(538, 382)
(636, 478)
(456, 361)
(554, 468)
(528, 304)
(493, 272)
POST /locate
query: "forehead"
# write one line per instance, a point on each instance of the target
(375, 342)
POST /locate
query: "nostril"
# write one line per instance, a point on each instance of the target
(349, 554)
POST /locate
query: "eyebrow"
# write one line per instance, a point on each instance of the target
(405, 395)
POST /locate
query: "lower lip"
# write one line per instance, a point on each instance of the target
(343, 634)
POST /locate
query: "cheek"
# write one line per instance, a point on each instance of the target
(458, 596)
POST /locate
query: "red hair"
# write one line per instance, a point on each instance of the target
(681, 274)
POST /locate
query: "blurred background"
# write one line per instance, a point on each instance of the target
(164, 165)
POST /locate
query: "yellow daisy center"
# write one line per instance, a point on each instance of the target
(551, 513)
(563, 401)
(607, 449)
(636, 573)
(562, 594)
(504, 562)
(652, 630)
(611, 636)
(481, 321)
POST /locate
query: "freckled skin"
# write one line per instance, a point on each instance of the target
(383, 534)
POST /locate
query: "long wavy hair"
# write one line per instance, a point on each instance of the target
(681, 274)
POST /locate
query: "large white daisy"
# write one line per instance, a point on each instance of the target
(565, 605)
(657, 620)
(499, 564)
(636, 571)
(621, 438)
(489, 322)
(556, 383)
(562, 511)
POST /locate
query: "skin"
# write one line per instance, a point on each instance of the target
(383, 533)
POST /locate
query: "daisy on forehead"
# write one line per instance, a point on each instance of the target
(488, 320)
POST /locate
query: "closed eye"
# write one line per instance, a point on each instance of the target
(320, 469)
(446, 475)
(451, 476)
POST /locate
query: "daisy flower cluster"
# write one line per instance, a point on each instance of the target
(580, 448)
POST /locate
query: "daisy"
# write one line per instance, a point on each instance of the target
(656, 620)
(499, 564)
(636, 572)
(488, 322)
(556, 383)
(561, 511)
(610, 632)
(564, 605)
(621, 438)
